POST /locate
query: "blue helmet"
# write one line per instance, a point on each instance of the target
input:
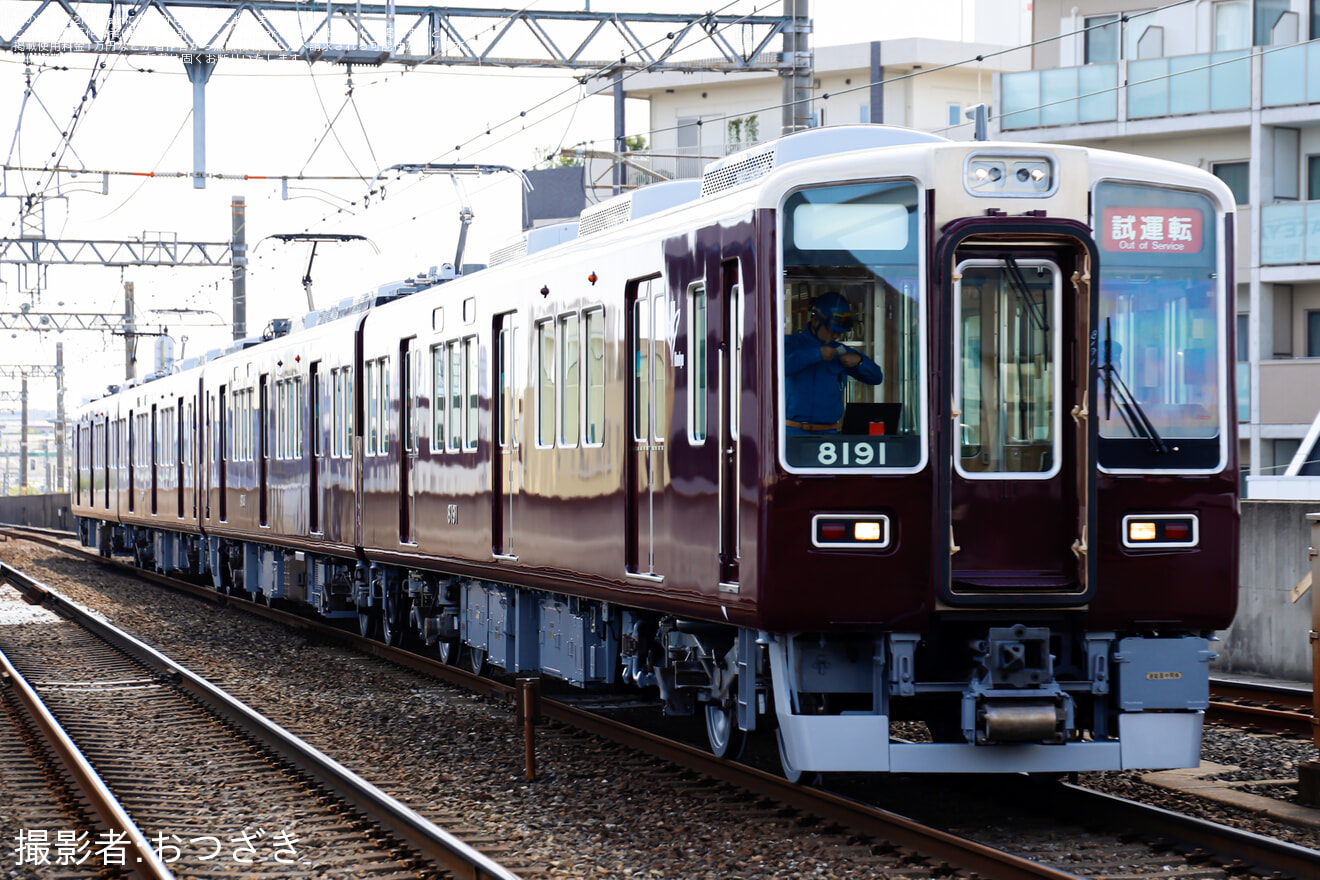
(834, 311)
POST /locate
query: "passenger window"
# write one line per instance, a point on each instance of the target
(373, 412)
(697, 363)
(570, 385)
(595, 362)
(437, 399)
(545, 384)
(455, 397)
(473, 389)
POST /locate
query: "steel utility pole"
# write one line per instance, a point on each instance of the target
(23, 441)
(797, 68)
(238, 247)
(130, 335)
(60, 426)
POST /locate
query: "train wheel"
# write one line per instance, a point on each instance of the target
(725, 737)
(476, 660)
(447, 650)
(393, 619)
(367, 623)
(791, 773)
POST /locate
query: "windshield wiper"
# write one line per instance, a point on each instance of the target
(1134, 417)
(1019, 283)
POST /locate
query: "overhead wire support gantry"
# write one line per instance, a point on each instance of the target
(407, 34)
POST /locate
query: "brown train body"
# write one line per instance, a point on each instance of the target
(597, 431)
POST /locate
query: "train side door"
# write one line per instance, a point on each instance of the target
(730, 388)
(263, 453)
(224, 420)
(506, 449)
(153, 456)
(1023, 469)
(315, 448)
(647, 356)
(408, 363)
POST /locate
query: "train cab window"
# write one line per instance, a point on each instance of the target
(545, 383)
(697, 365)
(594, 335)
(1160, 341)
(852, 349)
(1007, 380)
(570, 380)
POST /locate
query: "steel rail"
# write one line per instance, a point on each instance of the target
(1239, 702)
(1245, 848)
(938, 845)
(140, 858)
(1267, 856)
(454, 855)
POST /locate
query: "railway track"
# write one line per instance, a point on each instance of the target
(180, 772)
(1207, 845)
(1274, 708)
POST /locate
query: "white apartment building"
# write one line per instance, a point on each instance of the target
(697, 118)
(1232, 86)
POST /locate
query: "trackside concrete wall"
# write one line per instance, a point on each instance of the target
(1270, 636)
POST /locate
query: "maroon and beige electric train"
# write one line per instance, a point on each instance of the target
(575, 462)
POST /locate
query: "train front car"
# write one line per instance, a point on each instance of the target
(1003, 500)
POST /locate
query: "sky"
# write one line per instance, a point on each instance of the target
(273, 119)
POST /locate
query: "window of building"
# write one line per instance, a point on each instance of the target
(1284, 448)
(1232, 25)
(1267, 15)
(1313, 334)
(1313, 174)
(1237, 176)
(1315, 19)
(1242, 341)
(955, 114)
(1102, 39)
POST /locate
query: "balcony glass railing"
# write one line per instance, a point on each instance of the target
(1290, 233)
(1243, 391)
(1189, 84)
(1291, 75)
(1175, 86)
(1062, 96)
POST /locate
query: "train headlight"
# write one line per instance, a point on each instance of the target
(850, 531)
(1011, 176)
(1165, 530)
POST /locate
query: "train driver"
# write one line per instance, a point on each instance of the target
(817, 367)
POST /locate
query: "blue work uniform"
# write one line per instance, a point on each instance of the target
(813, 386)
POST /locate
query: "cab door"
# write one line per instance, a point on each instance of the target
(1022, 460)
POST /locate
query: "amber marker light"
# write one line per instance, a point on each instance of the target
(1141, 531)
(866, 531)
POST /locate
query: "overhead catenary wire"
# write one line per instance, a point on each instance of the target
(581, 81)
